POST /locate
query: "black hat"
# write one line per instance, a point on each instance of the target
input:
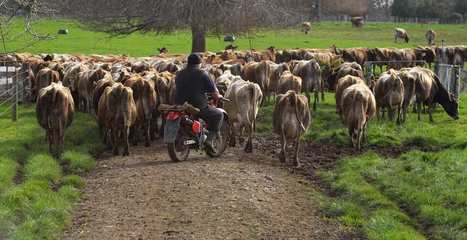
(194, 59)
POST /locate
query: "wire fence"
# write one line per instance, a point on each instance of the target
(12, 89)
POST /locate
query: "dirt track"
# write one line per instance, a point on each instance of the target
(145, 196)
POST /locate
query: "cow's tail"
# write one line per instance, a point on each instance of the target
(254, 96)
(294, 101)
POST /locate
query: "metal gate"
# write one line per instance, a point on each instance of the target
(12, 89)
(452, 78)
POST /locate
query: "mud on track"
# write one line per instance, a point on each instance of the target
(240, 196)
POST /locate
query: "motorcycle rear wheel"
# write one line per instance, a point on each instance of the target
(178, 151)
(220, 144)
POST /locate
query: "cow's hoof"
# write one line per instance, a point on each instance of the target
(249, 148)
(115, 152)
(282, 158)
(126, 154)
(148, 144)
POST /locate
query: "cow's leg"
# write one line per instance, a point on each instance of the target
(399, 110)
(419, 110)
(430, 111)
(249, 143)
(126, 143)
(147, 133)
(115, 141)
(378, 112)
(297, 149)
(282, 156)
(322, 91)
(232, 140)
(391, 113)
(315, 102)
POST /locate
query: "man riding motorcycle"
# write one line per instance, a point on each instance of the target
(192, 86)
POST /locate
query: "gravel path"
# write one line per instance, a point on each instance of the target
(240, 196)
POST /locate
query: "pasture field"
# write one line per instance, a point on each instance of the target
(36, 190)
(419, 194)
(323, 35)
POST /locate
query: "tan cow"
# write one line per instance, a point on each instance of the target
(276, 73)
(310, 73)
(44, 78)
(400, 33)
(287, 82)
(343, 84)
(259, 73)
(291, 119)
(86, 84)
(146, 102)
(409, 81)
(389, 94)
(358, 107)
(245, 98)
(306, 27)
(430, 37)
(54, 111)
(117, 111)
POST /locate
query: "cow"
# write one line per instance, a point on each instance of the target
(400, 33)
(140, 67)
(235, 69)
(259, 73)
(358, 107)
(101, 85)
(342, 84)
(245, 99)
(276, 73)
(145, 98)
(353, 69)
(117, 113)
(86, 83)
(430, 37)
(223, 82)
(306, 27)
(357, 22)
(291, 119)
(44, 78)
(54, 112)
(166, 65)
(409, 81)
(429, 91)
(359, 55)
(389, 94)
(287, 82)
(71, 78)
(310, 72)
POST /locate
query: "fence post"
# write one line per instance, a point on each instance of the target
(14, 110)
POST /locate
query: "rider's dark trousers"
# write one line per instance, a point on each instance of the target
(213, 118)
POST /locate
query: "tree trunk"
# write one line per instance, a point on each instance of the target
(198, 38)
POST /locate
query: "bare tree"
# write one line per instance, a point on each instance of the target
(201, 16)
(29, 10)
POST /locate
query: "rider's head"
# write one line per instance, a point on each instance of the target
(194, 60)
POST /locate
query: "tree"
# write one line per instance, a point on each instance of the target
(201, 16)
(461, 6)
(29, 10)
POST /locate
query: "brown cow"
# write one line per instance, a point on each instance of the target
(357, 22)
(71, 78)
(86, 84)
(353, 69)
(146, 102)
(358, 107)
(409, 81)
(259, 73)
(430, 37)
(429, 91)
(389, 93)
(101, 85)
(140, 67)
(44, 78)
(343, 84)
(400, 33)
(359, 55)
(54, 111)
(276, 73)
(117, 111)
(291, 119)
(310, 72)
(306, 27)
(246, 98)
(287, 82)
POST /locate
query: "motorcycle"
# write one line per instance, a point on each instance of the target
(184, 132)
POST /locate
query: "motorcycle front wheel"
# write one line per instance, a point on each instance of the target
(178, 151)
(220, 143)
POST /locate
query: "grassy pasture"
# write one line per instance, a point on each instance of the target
(36, 190)
(418, 195)
(323, 35)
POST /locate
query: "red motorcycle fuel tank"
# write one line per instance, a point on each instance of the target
(196, 128)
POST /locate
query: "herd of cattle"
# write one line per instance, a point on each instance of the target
(124, 93)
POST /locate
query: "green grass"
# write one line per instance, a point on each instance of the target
(418, 195)
(327, 128)
(325, 34)
(36, 190)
